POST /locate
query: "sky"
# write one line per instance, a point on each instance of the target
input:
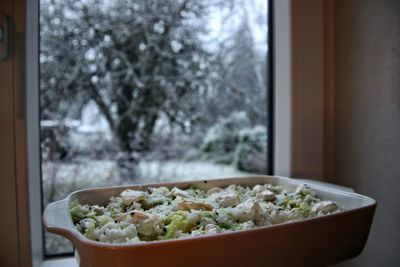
(223, 21)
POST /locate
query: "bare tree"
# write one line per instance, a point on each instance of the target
(135, 59)
(142, 60)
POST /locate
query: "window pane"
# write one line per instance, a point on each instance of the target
(149, 91)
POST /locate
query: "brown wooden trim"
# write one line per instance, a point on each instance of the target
(20, 132)
(294, 135)
(329, 92)
(15, 237)
(9, 241)
(307, 88)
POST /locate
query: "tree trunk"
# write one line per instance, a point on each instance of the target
(125, 130)
(127, 167)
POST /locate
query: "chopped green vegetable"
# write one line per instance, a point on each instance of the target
(178, 222)
(166, 214)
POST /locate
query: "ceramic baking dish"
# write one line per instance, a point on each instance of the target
(311, 242)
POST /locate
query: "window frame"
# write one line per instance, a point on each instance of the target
(33, 131)
(281, 136)
(39, 258)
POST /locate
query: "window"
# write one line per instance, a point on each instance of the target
(148, 91)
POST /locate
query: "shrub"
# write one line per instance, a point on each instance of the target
(250, 153)
(221, 139)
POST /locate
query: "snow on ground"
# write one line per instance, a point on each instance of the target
(60, 178)
(183, 171)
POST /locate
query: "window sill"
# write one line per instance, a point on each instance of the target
(61, 262)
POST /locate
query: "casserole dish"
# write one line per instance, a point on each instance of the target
(317, 241)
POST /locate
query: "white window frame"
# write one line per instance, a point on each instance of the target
(298, 145)
(33, 130)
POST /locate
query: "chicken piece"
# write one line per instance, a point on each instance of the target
(229, 199)
(162, 191)
(123, 217)
(99, 210)
(309, 199)
(188, 205)
(247, 211)
(139, 216)
(146, 224)
(214, 190)
(179, 192)
(134, 216)
(258, 188)
(129, 196)
(266, 195)
(231, 188)
(211, 229)
(325, 207)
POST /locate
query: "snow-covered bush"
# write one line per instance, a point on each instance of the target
(251, 151)
(221, 139)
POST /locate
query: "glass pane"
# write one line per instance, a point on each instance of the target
(149, 91)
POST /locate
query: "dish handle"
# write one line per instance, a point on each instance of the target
(56, 218)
